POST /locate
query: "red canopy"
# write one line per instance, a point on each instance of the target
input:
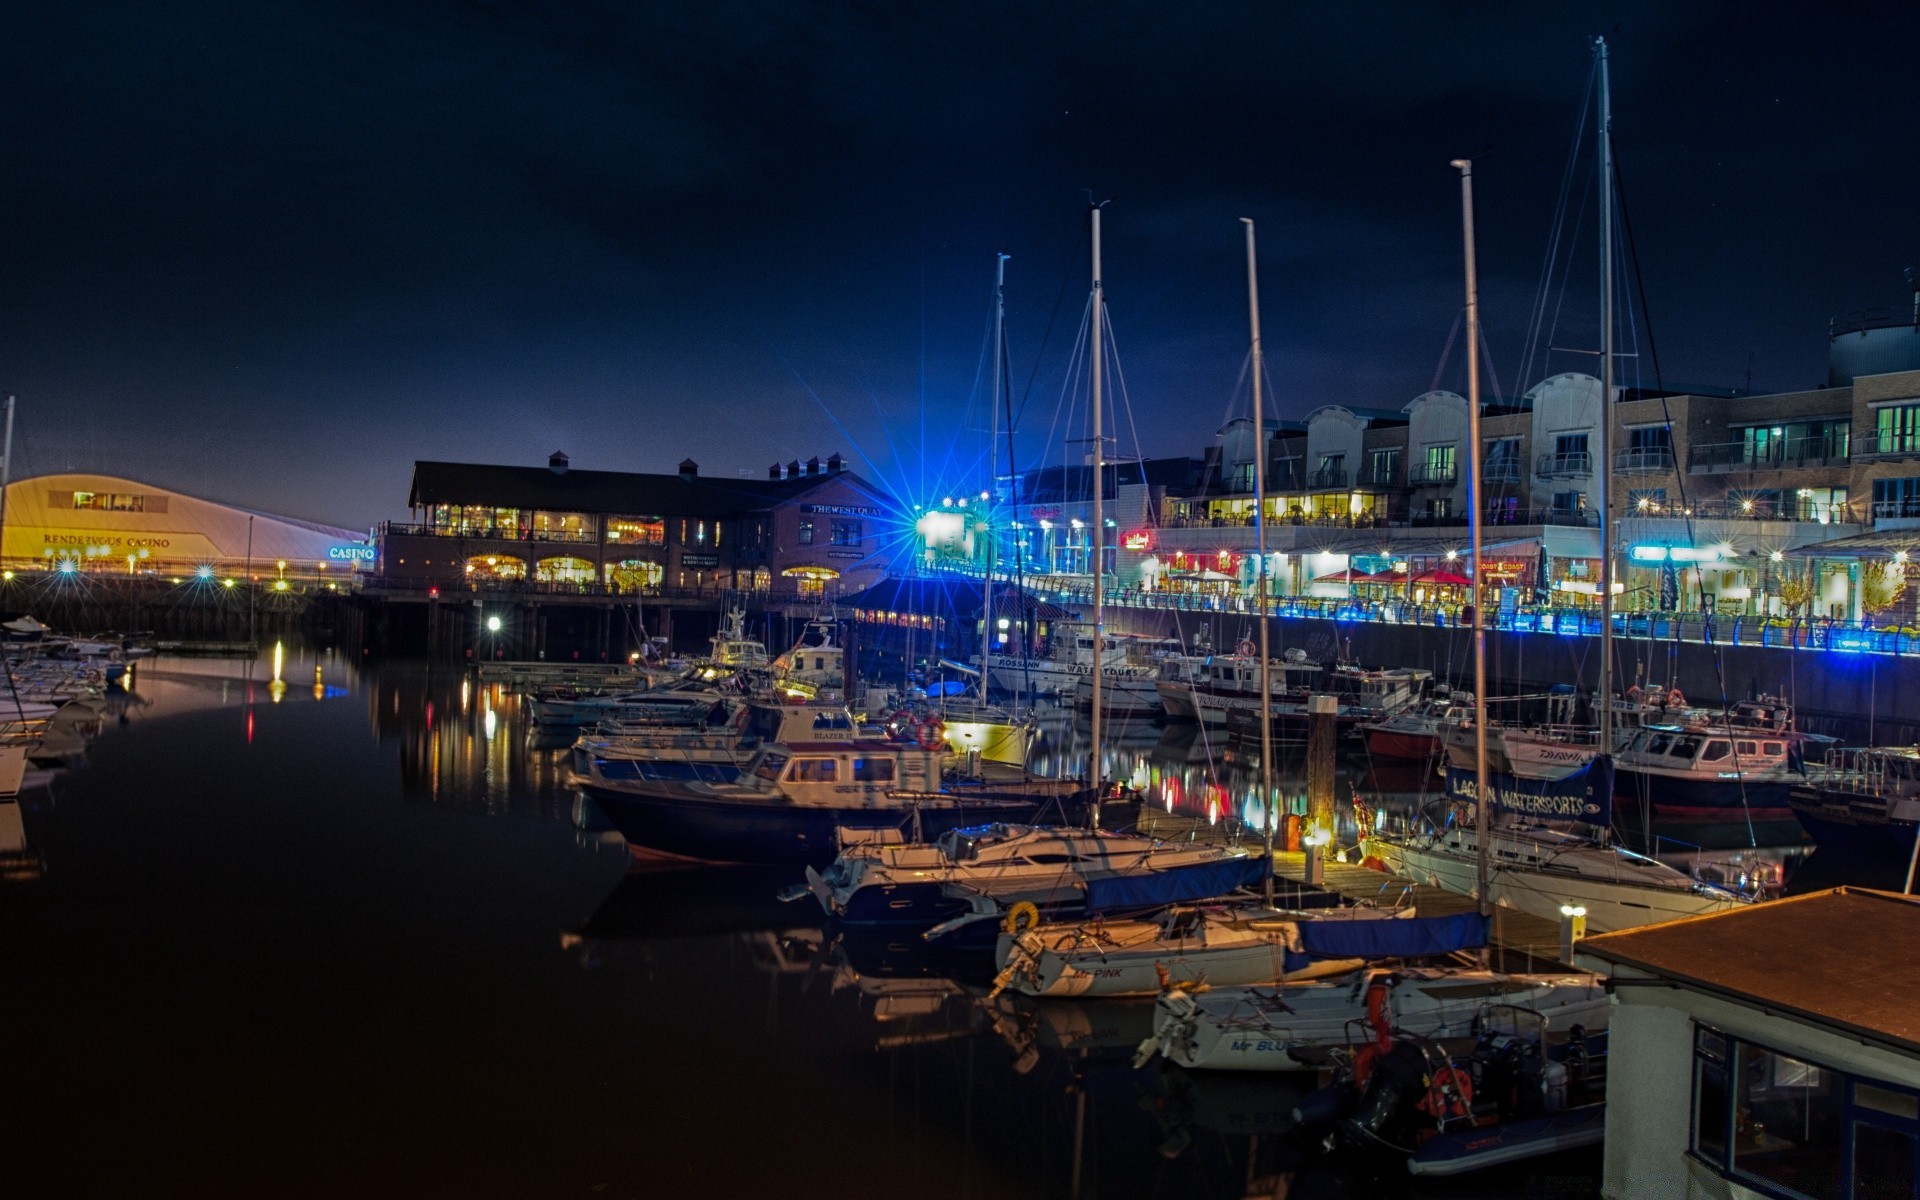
(1361, 577)
(1441, 577)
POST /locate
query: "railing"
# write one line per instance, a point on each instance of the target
(1753, 509)
(515, 534)
(1887, 445)
(1775, 453)
(1503, 470)
(1508, 517)
(443, 587)
(1327, 478)
(1375, 477)
(1433, 475)
(1577, 465)
(1644, 460)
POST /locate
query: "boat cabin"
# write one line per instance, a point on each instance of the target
(841, 773)
(1718, 751)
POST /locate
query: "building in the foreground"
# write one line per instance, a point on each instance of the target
(1770, 1051)
(815, 528)
(94, 524)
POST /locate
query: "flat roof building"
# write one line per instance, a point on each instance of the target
(1772, 1050)
(74, 523)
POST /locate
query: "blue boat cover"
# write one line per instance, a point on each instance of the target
(1392, 937)
(1586, 795)
(1200, 882)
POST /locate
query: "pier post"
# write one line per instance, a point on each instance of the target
(1322, 732)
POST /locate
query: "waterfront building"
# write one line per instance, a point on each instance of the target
(88, 524)
(1768, 1051)
(814, 528)
(1724, 502)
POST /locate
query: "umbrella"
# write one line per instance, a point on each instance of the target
(1441, 577)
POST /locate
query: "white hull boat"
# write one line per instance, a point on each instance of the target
(1291, 1027)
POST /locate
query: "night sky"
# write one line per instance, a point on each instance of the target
(272, 253)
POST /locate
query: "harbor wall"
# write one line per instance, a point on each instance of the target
(1856, 697)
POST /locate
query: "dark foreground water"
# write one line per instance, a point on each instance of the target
(344, 938)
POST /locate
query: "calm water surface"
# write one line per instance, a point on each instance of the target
(345, 937)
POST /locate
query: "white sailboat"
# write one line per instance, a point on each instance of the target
(1544, 869)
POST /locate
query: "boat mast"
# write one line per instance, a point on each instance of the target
(1483, 820)
(993, 475)
(1260, 551)
(1099, 529)
(1606, 399)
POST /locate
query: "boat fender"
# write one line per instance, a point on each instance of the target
(1020, 918)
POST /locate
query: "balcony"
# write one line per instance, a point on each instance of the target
(1791, 508)
(1433, 475)
(1382, 477)
(1887, 445)
(1643, 460)
(491, 533)
(1503, 470)
(1577, 465)
(1328, 479)
(1786, 453)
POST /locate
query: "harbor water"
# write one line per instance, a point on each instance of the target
(305, 927)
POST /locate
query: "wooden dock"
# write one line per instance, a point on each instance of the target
(1521, 941)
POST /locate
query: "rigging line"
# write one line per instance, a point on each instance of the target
(1566, 280)
(1653, 353)
(1537, 313)
(1126, 398)
(1067, 276)
(1446, 351)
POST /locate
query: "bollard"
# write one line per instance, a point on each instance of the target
(1573, 927)
(1322, 735)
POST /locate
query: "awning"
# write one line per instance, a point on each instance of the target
(1565, 542)
(1442, 578)
(1881, 543)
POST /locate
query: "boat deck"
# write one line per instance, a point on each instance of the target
(1521, 941)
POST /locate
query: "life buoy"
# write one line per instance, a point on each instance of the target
(930, 733)
(1449, 1095)
(1675, 699)
(1634, 694)
(1246, 648)
(740, 722)
(1020, 918)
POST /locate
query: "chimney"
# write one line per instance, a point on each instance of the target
(813, 465)
(835, 464)
(689, 469)
(793, 469)
(557, 462)
(773, 472)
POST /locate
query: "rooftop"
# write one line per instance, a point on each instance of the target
(572, 490)
(1847, 958)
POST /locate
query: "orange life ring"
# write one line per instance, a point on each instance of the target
(931, 733)
(1246, 648)
(740, 722)
(1449, 1095)
(1675, 699)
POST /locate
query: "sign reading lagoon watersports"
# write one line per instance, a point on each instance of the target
(1586, 795)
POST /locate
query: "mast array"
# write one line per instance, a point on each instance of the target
(1099, 530)
(1260, 551)
(1482, 807)
(1605, 128)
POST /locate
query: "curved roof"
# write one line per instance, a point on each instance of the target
(91, 516)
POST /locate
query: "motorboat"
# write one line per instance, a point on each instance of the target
(1864, 805)
(793, 799)
(1295, 1026)
(1127, 683)
(1219, 944)
(1709, 770)
(875, 880)
(1413, 734)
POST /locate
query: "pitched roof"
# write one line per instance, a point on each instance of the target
(1847, 958)
(954, 596)
(606, 491)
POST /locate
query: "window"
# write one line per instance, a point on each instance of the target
(1716, 750)
(844, 533)
(1797, 1128)
(637, 531)
(1685, 747)
(806, 532)
(1502, 464)
(1650, 437)
(1439, 464)
(1569, 502)
(769, 768)
(1896, 497)
(873, 770)
(111, 501)
(1385, 465)
(813, 770)
(1897, 428)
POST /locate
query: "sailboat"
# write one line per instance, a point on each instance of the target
(1544, 868)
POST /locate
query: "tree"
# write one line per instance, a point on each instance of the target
(1882, 584)
(1796, 591)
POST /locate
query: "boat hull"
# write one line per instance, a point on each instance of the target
(739, 831)
(1402, 744)
(1683, 796)
(1611, 905)
(1457, 1152)
(1856, 828)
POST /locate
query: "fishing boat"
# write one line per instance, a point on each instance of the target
(1710, 770)
(1361, 696)
(1865, 806)
(1296, 1026)
(1127, 682)
(1413, 734)
(1059, 870)
(793, 798)
(1218, 944)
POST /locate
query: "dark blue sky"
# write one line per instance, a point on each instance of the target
(273, 253)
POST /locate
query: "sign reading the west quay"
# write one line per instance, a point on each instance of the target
(842, 510)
